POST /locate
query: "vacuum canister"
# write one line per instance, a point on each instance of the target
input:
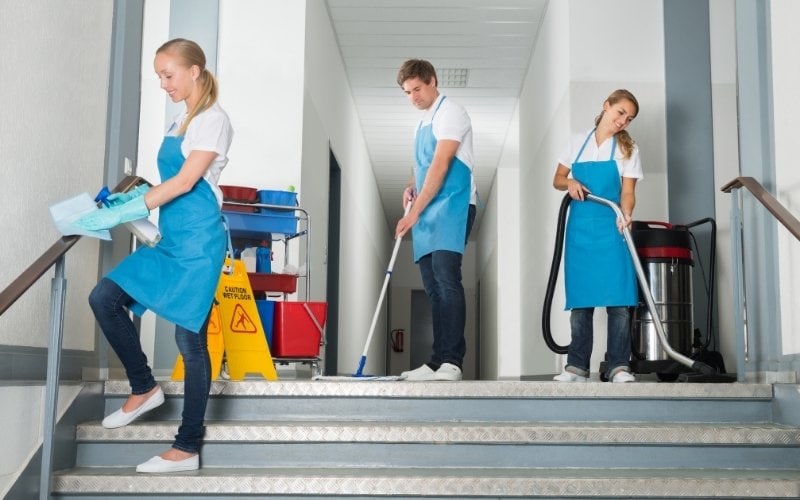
(665, 254)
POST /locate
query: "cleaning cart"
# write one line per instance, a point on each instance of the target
(294, 329)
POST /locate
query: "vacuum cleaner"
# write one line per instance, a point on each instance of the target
(663, 340)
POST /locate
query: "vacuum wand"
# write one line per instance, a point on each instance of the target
(648, 297)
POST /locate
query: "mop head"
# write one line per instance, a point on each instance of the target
(356, 378)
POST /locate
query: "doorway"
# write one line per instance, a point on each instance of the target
(332, 290)
(421, 328)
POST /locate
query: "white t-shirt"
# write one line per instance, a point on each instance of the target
(630, 167)
(453, 123)
(209, 131)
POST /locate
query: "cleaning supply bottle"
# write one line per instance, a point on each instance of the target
(263, 258)
(248, 256)
(144, 230)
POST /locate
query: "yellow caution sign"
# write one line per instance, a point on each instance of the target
(246, 349)
(245, 343)
(216, 347)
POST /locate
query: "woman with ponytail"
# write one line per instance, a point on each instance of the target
(598, 270)
(178, 277)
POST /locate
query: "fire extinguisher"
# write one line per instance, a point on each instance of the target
(396, 338)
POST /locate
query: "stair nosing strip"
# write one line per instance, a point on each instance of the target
(443, 484)
(464, 389)
(458, 433)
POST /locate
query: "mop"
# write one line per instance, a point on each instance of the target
(359, 374)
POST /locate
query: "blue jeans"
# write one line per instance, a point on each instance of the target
(618, 346)
(109, 302)
(441, 277)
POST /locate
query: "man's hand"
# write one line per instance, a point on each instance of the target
(408, 220)
(409, 194)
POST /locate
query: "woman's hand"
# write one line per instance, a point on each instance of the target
(576, 190)
(624, 222)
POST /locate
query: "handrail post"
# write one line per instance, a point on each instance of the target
(57, 300)
(739, 298)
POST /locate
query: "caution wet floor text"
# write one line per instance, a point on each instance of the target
(242, 339)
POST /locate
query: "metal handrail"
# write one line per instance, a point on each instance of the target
(29, 276)
(775, 207)
(782, 215)
(54, 256)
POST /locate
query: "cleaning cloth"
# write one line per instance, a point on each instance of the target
(66, 212)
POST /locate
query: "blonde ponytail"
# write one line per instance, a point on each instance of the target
(208, 96)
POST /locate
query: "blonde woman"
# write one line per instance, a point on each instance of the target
(177, 278)
(598, 270)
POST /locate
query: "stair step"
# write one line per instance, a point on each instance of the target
(458, 444)
(468, 400)
(210, 483)
(463, 389)
(356, 439)
(456, 432)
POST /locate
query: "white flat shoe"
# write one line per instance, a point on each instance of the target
(120, 418)
(567, 376)
(158, 464)
(622, 377)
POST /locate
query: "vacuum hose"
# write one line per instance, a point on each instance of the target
(551, 280)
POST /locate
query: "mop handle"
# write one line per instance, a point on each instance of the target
(375, 315)
(648, 297)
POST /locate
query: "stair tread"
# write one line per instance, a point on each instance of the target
(464, 389)
(453, 482)
(765, 434)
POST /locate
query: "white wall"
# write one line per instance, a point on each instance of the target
(497, 268)
(261, 44)
(786, 81)
(22, 435)
(54, 64)
(365, 239)
(544, 129)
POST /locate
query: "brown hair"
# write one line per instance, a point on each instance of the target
(623, 138)
(190, 54)
(416, 68)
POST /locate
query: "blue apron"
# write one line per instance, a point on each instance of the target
(598, 270)
(443, 223)
(177, 278)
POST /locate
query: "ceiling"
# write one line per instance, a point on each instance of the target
(491, 39)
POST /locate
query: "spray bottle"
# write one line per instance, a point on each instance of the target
(144, 230)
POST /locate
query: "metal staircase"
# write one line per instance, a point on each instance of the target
(371, 439)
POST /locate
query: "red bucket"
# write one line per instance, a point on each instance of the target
(297, 331)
